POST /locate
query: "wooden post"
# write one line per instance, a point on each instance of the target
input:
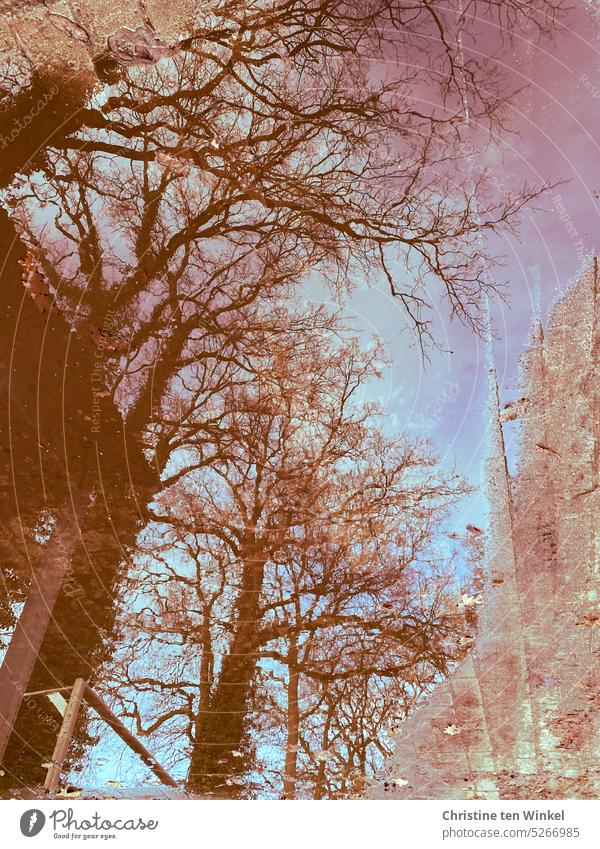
(49, 692)
(117, 726)
(65, 736)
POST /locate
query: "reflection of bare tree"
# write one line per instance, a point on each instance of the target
(197, 194)
(368, 633)
(288, 543)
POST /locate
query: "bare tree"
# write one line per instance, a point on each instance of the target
(288, 539)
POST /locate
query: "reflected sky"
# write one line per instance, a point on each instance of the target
(106, 245)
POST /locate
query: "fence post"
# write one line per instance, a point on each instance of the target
(65, 735)
(125, 734)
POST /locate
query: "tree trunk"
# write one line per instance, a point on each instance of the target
(206, 668)
(220, 730)
(320, 781)
(293, 724)
(31, 628)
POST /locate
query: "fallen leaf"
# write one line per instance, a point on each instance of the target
(470, 600)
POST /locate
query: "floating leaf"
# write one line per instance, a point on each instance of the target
(470, 600)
